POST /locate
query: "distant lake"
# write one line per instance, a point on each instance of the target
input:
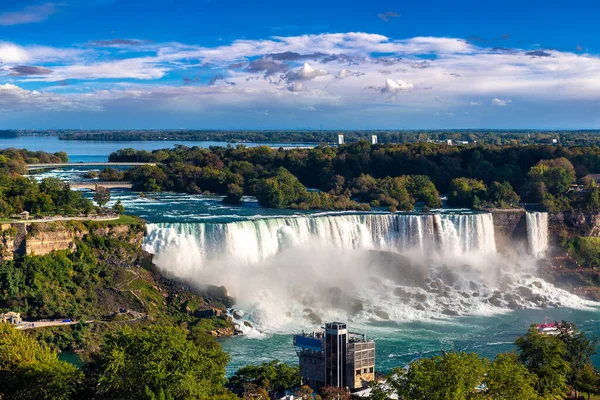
(98, 151)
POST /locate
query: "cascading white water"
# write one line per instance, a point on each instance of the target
(250, 242)
(284, 271)
(537, 233)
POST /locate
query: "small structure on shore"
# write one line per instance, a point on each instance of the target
(11, 317)
(22, 215)
(334, 356)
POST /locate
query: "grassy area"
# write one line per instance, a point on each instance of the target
(123, 220)
(585, 250)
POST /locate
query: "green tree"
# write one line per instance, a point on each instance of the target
(334, 393)
(272, 376)
(453, 376)
(579, 351)
(507, 378)
(502, 195)
(119, 207)
(101, 195)
(543, 355)
(465, 192)
(556, 174)
(160, 360)
(234, 194)
(306, 393)
(30, 370)
(588, 380)
(281, 190)
(423, 189)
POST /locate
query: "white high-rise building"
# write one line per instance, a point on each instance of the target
(373, 139)
(340, 139)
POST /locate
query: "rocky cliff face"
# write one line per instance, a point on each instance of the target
(43, 238)
(510, 228)
(570, 224)
(11, 240)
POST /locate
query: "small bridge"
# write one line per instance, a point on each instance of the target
(31, 167)
(94, 185)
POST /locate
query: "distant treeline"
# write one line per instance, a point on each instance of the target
(484, 136)
(361, 175)
(16, 160)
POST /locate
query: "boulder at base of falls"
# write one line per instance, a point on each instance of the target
(398, 268)
(451, 313)
(537, 284)
(313, 318)
(420, 297)
(495, 301)
(248, 324)
(382, 314)
(401, 292)
(238, 314)
(339, 299)
(525, 291)
(513, 305)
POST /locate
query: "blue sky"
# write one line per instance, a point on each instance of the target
(301, 65)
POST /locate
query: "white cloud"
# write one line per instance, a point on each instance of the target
(296, 86)
(11, 53)
(305, 73)
(28, 15)
(395, 86)
(461, 74)
(16, 99)
(501, 102)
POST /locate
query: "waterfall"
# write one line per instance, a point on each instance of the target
(537, 233)
(250, 242)
(283, 270)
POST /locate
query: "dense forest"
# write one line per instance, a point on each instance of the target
(361, 175)
(51, 196)
(481, 136)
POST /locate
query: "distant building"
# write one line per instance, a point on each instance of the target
(11, 318)
(336, 357)
(340, 139)
(373, 139)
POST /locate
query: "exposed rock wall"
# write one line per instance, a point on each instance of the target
(11, 240)
(570, 224)
(43, 238)
(510, 228)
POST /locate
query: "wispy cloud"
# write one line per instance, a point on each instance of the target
(501, 102)
(388, 15)
(118, 42)
(27, 70)
(28, 15)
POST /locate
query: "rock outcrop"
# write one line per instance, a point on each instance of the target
(510, 228)
(43, 238)
(570, 224)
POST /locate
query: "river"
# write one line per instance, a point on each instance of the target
(278, 264)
